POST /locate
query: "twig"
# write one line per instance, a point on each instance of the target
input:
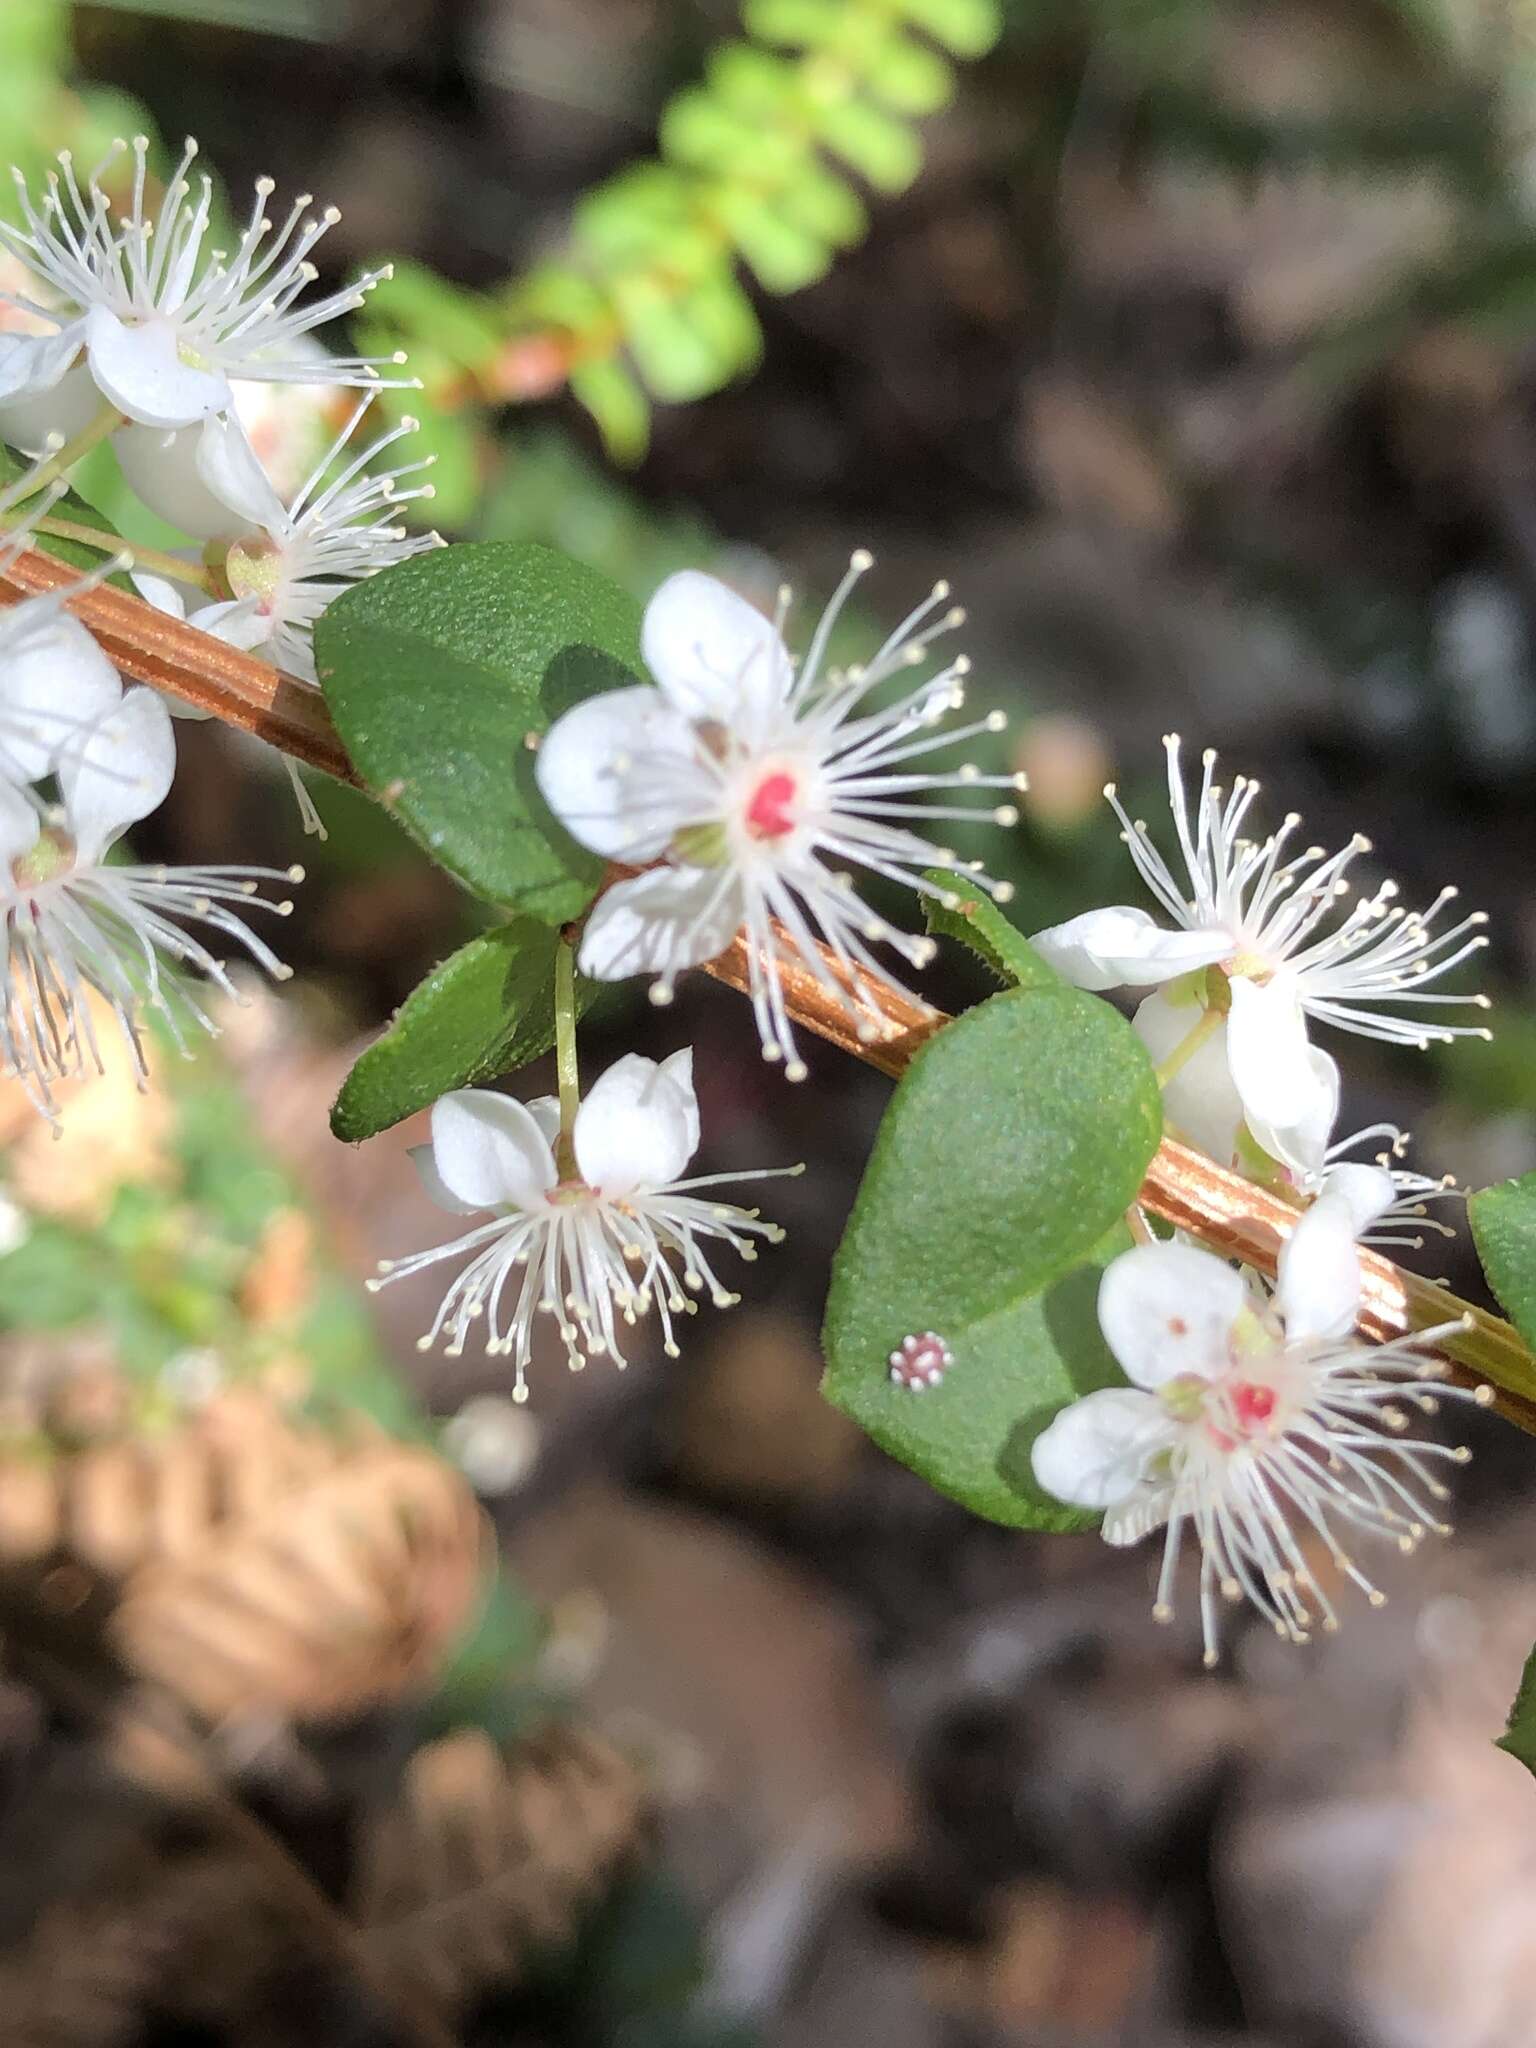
(156, 649)
(1185, 1188)
(1231, 1214)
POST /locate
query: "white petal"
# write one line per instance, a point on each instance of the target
(598, 768)
(1283, 1089)
(1096, 1452)
(20, 825)
(55, 684)
(227, 464)
(1319, 1272)
(1167, 1309)
(678, 1068)
(1303, 1145)
(161, 592)
(1120, 947)
(489, 1152)
(34, 364)
(633, 1129)
(1368, 1192)
(436, 1186)
(163, 468)
(545, 1111)
(1144, 1510)
(237, 621)
(714, 655)
(140, 370)
(66, 408)
(118, 774)
(1201, 1104)
(660, 923)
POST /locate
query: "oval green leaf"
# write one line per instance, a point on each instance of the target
(1503, 1222)
(440, 672)
(996, 1190)
(486, 1010)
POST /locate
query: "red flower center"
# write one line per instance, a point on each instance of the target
(1252, 1405)
(770, 814)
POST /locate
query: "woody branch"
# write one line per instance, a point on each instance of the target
(1232, 1215)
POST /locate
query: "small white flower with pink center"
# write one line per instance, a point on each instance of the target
(1258, 937)
(594, 1230)
(741, 776)
(1256, 1422)
(72, 921)
(139, 316)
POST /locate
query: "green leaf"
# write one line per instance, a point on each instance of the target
(1519, 1737)
(977, 923)
(997, 1187)
(880, 148)
(72, 507)
(486, 1010)
(1503, 1220)
(968, 27)
(438, 673)
(617, 401)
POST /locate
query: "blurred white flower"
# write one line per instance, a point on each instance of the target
(77, 922)
(1258, 1422)
(588, 1244)
(494, 1443)
(742, 775)
(1264, 921)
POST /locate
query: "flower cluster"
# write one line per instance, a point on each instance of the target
(77, 922)
(125, 324)
(1255, 1420)
(135, 329)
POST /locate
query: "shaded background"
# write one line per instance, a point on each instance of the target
(1197, 358)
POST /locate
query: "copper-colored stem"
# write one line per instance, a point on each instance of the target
(1225, 1211)
(156, 649)
(1230, 1214)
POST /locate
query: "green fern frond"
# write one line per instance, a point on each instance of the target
(759, 168)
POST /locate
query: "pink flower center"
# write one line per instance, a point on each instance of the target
(1252, 1405)
(770, 814)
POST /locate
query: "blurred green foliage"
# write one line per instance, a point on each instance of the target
(758, 167)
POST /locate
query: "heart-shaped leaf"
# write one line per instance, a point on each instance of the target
(996, 1190)
(442, 673)
(486, 1010)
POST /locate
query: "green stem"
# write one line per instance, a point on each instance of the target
(130, 553)
(1210, 1022)
(101, 428)
(565, 1057)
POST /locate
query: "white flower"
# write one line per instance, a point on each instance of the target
(1391, 1198)
(75, 922)
(1266, 920)
(742, 775)
(588, 1244)
(1259, 1422)
(286, 563)
(140, 318)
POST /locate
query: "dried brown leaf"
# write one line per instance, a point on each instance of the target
(487, 1858)
(261, 1566)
